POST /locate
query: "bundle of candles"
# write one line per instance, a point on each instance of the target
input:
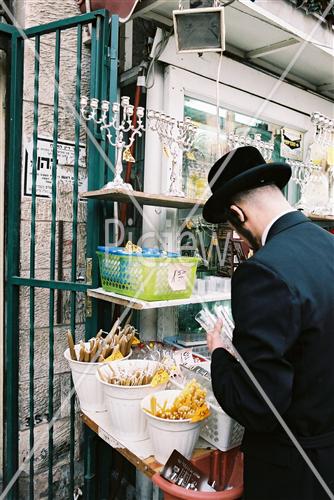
(152, 374)
(104, 346)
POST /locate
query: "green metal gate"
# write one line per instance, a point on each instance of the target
(35, 235)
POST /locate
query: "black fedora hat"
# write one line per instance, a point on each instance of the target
(239, 170)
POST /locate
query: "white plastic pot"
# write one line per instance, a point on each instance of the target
(87, 387)
(169, 435)
(123, 402)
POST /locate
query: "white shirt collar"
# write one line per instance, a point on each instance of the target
(271, 223)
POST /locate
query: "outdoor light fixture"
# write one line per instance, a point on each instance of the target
(200, 29)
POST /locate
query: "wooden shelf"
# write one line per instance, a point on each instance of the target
(133, 303)
(156, 200)
(324, 218)
(139, 453)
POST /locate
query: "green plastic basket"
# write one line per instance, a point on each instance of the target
(148, 278)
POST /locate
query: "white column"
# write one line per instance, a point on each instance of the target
(152, 184)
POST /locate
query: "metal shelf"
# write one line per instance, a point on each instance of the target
(133, 303)
(128, 196)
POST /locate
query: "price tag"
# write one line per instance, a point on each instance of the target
(109, 439)
(184, 357)
(177, 277)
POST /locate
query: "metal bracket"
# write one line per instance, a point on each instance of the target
(112, 53)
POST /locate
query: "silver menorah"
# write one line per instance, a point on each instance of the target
(301, 174)
(120, 131)
(323, 128)
(265, 148)
(176, 137)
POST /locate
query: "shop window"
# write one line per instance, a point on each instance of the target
(234, 127)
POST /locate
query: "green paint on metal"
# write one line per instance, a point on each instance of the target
(74, 236)
(113, 81)
(55, 285)
(53, 260)
(101, 77)
(13, 238)
(62, 24)
(32, 272)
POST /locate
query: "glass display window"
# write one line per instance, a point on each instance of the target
(235, 129)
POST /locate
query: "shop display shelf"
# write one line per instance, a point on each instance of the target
(157, 200)
(323, 218)
(133, 303)
(139, 453)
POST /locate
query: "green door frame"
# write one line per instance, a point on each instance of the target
(104, 86)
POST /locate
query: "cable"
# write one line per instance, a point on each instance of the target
(160, 47)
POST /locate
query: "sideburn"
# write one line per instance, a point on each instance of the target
(234, 220)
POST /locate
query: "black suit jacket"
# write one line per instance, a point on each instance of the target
(283, 309)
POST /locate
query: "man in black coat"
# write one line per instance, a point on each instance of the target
(283, 309)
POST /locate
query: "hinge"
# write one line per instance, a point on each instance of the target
(112, 53)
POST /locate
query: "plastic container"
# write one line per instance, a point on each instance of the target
(123, 403)
(88, 389)
(147, 277)
(225, 468)
(219, 429)
(168, 435)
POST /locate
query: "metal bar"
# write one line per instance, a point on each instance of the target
(270, 49)
(74, 237)
(55, 285)
(71, 22)
(8, 29)
(113, 80)
(104, 47)
(53, 259)
(89, 464)
(93, 218)
(32, 272)
(13, 155)
(98, 84)
(60, 245)
(92, 208)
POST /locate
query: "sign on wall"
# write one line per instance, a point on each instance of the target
(65, 156)
(291, 144)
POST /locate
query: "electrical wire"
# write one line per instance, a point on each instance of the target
(160, 47)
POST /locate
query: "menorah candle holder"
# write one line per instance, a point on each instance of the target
(176, 138)
(266, 148)
(120, 131)
(323, 129)
(301, 174)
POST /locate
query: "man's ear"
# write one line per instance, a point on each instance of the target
(238, 212)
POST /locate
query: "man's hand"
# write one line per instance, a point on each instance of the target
(215, 339)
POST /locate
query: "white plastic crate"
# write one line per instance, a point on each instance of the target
(220, 430)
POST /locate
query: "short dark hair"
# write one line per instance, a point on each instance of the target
(251, 193)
